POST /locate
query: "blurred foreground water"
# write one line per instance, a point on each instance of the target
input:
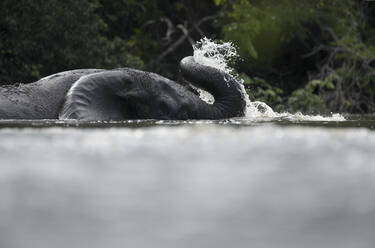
(234, 183)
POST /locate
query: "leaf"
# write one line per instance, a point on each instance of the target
(219, 2)
(251, 49)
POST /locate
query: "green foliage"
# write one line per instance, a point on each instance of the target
(38, 37)
(243, 27)
(302, 100)
(274, 35)
(126, 19)
(220, 2)
(320, 52)
(263, 28)
(259, 90)
(310, 55)
(350, 65)
(43, 37)
(307, 99)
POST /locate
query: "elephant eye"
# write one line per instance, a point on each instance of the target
(164, 107)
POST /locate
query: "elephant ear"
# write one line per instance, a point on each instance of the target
(134, 95)
(98, 96)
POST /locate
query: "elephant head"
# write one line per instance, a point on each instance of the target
(132, 94)
(125, 94)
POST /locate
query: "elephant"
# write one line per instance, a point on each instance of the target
(124, 94)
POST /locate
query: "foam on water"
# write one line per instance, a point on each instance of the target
(218, 55)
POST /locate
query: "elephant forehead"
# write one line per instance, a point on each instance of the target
(165, 92)
(155, 83)
(115, 80)
(77, 72)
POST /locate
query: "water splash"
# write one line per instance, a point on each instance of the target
(215, 54)
(218, 54)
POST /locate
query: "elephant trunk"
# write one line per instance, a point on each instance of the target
(229, 99)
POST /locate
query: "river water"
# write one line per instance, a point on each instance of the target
(230, 183)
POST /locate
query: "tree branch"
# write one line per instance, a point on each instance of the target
(185, 34)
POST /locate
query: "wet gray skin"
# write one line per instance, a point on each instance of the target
(122, 94)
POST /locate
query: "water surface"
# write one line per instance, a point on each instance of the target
(229, 183)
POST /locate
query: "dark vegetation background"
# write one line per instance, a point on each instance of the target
(297, 55)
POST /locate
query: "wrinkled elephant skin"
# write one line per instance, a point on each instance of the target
(121, 94)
